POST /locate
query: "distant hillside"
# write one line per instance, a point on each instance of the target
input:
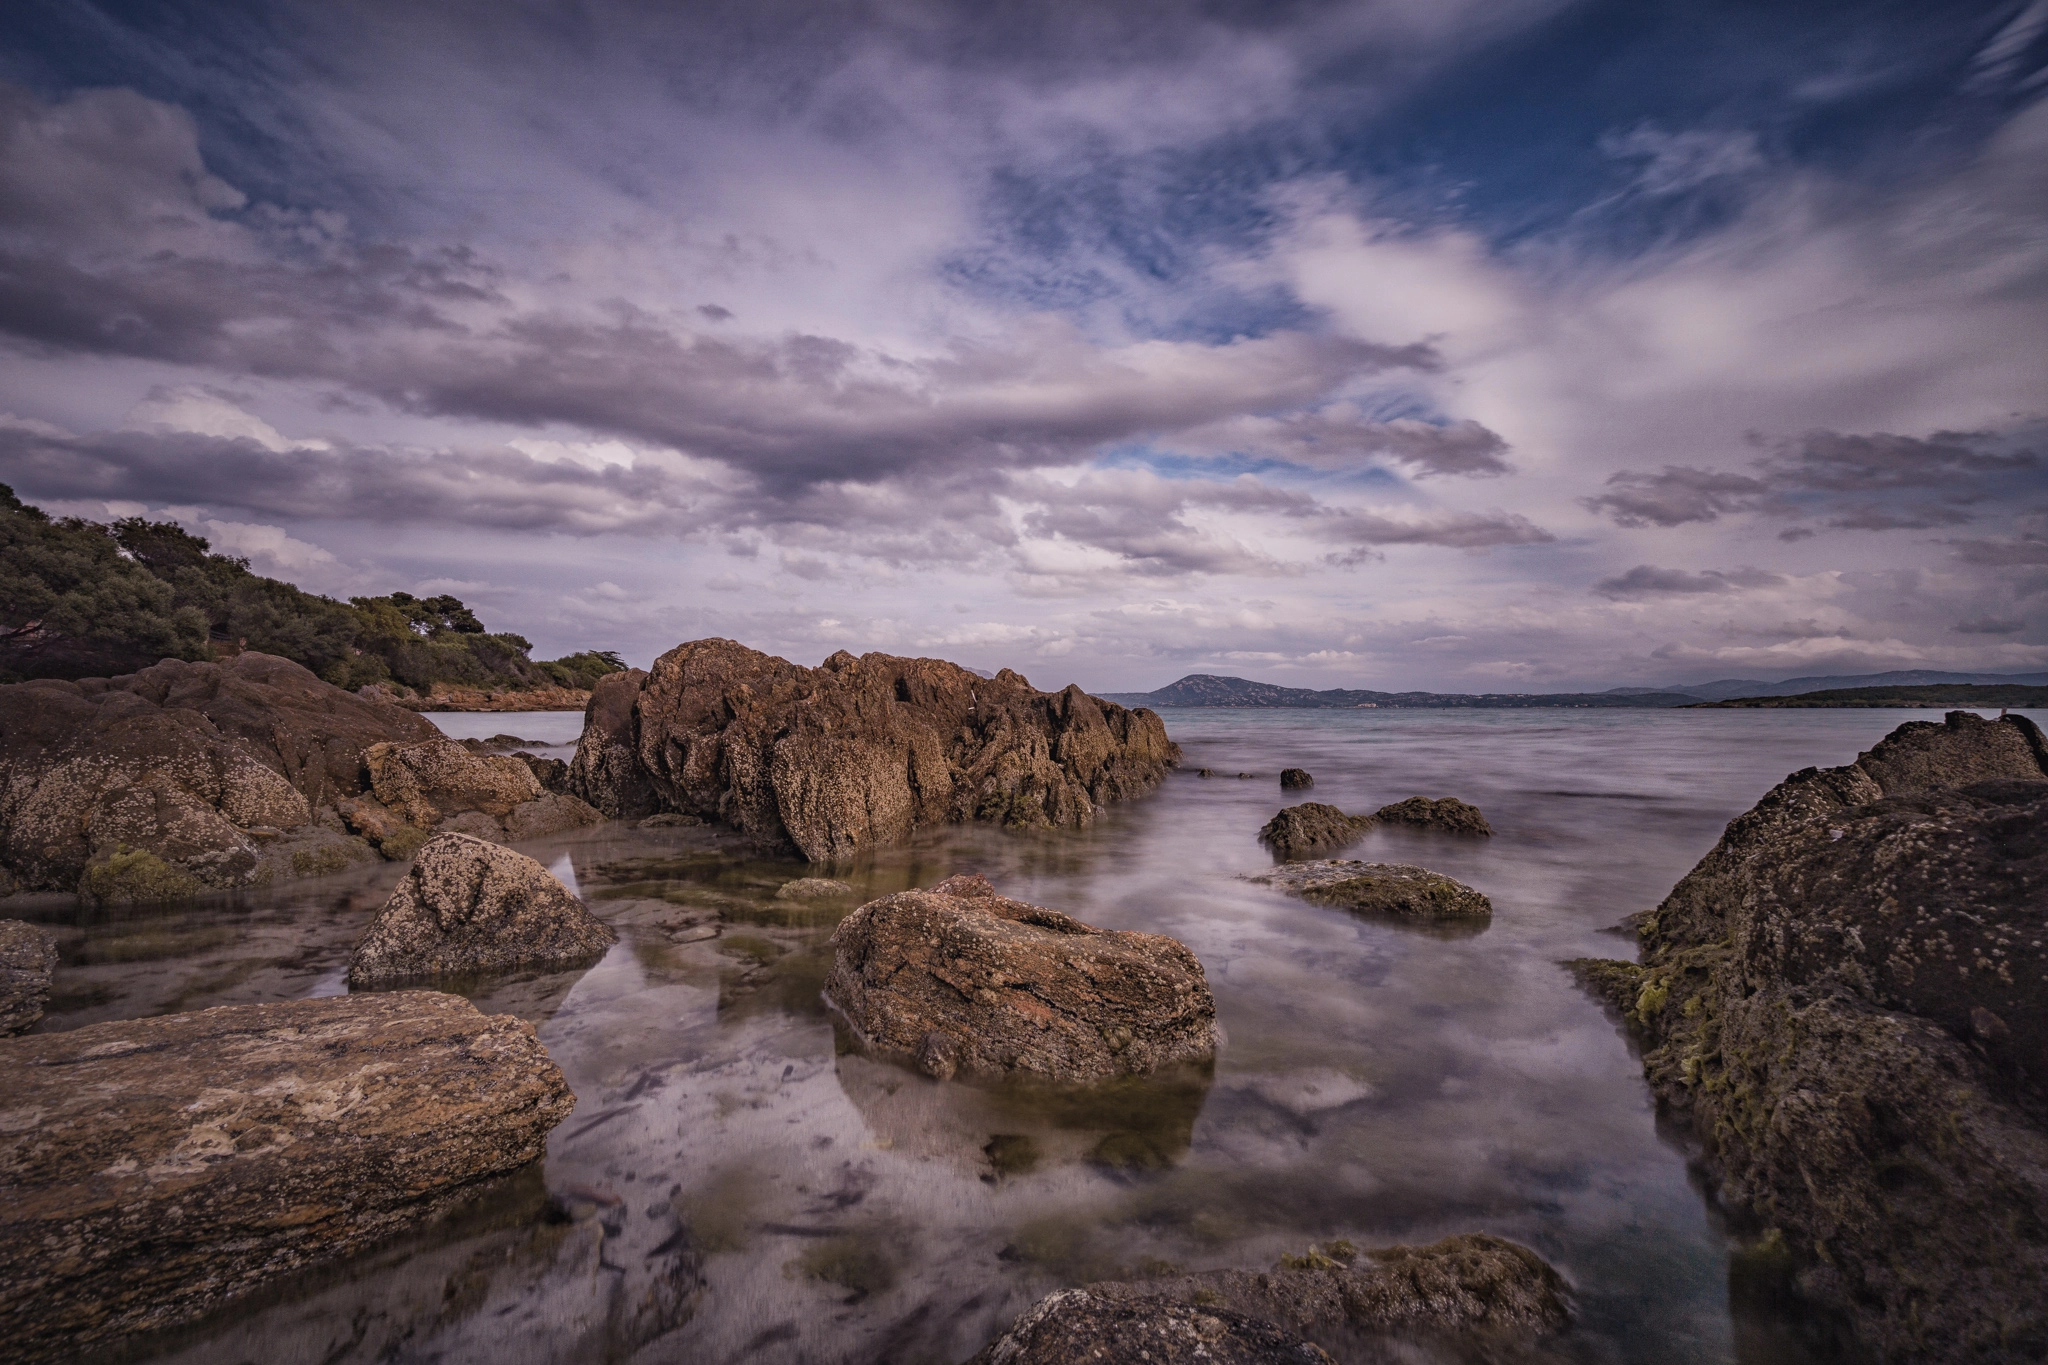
(1727, 689)
(79, 599)
(1946, 694)
(1210, 690)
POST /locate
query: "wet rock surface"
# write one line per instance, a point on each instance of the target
(1296, 779)
(1395, 889)
(157, 1169)
(1446, 813)
(1085, 1325)
(960, 979)
(227, 774)
(1312, 828)
(27, 957)
(1471, 1292)
(1848, 999)
(855, 753)
(468, 905)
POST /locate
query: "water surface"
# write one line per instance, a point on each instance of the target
(737, 1184)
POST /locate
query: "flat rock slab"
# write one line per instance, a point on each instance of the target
(469, 905)
(27, 957)
(1312, 828)
(1446, 813)
(813, 889)
(962, 979)
(152, 1170)
(1381, 889)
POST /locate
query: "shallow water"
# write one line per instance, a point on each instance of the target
(736, 1184)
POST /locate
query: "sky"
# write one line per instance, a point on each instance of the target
(1523, 345)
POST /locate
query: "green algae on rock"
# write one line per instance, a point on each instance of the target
(27, 958)
(1393, 889)
(1848, 1000)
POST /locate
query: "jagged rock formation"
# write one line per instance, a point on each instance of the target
(218, 774)
(958, 978)
(855, 753)
(1848, 999)
(1296, 779)
(1395, 889)
(1446, 813)
(1474, 1292)
(1311, 828)
(468, 905)
(270, 1137)
(27, 957)
(441, 784)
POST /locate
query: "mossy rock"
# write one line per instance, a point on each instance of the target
(1405, 892)
(131, 875)
(403, 842)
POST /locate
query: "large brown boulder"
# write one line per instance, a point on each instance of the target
(1446, 813)
(1312, 828)
(224, 774)
(1474, 1293)
(152, 1170)
(468, 905)
(27, 957)
(855, 753)
(958, 978)
(439, 783)
(1848, 999)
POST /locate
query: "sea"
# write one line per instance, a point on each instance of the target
(739, 1183)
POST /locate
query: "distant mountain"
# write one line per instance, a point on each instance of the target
(1937, 695)
(1210, 690)
(1727, 689)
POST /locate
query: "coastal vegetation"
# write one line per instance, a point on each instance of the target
(1934, 695)
(81, 599)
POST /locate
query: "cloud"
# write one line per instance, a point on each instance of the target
(1988, 625)
(1677, 495)
(1676, 162)
(1339, 436)
(1645, 580)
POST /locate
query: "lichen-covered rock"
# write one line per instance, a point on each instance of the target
(1074, 1326)
(855, 753)
(1296, 779)
(469, 905)
(189, 763)
(1446, 813)
(1848, 999)
(1473, 1291)
(958, 978)
(441, 784)
(152, 1170)
(812, 889)
(27, 957)
(1396, 889)
(549, 813)
(1312, 828)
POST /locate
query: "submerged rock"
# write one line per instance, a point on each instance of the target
(27, 957)
(223, 773)
(156, 1169)
(1475, 1290)
(855, 753)
(1381, 888)
(1848, 999)
(1445, 813)
(1295, 779)
(1305, 830)
(958, 978)
(813, 888)
(469, 905)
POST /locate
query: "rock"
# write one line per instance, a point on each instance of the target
(1295, 779)
(269, 1137)
(1445, 813)
(958, 978)
(501, 743)
(855, 753)
(441, 784)
(27, 957)
(1080, 1325)
(1848, 1000)
(670, 820)
(1381, 889)
(1305, 830)
(469, 905)
(1479, 1291)
(181, 762)
(551, 773)
(812, 888)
